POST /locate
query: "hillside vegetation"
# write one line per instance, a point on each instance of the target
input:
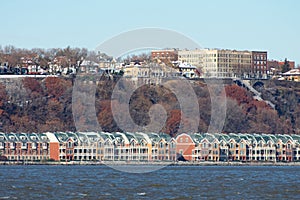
(40, 105)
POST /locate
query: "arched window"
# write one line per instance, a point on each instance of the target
(242, 145)
(172, 145)
(161, 145)
(70, 145)
(215, 145)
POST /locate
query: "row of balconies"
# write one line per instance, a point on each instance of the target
(25, 153)
(244, 151)
(27, 157)
(247, 157)
(26, 146)
(236, 145)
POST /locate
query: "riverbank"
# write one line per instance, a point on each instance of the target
(205, 163)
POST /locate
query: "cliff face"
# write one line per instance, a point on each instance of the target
(40, 105)
(286, 97)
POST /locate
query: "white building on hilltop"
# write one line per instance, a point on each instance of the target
(224, 63)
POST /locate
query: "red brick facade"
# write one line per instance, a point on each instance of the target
(171, 55)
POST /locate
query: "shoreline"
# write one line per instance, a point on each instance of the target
(136, 163)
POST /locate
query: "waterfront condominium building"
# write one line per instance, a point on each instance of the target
(148, 147)
(224, 63)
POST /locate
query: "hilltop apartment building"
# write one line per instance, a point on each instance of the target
(224, 63)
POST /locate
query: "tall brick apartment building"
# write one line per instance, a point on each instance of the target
(259, 64)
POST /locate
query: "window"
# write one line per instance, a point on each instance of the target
(186, 140)
(181, 140)
(71, 152)
(69, 145)
(215, 145)
(161, 145)
(172, 145)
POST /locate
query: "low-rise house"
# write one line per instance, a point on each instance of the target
(270, 147)
(89, 67)
(24, 147)
(292, 75)
(134, 70)
(281, 148)
(187, 70)
(296, 149)
(185, 146)
(164, 147)
(172, 149)
(233, 150)
(206, 147)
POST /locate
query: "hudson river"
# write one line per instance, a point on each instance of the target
(172, 182)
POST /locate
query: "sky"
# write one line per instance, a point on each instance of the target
(268, 25)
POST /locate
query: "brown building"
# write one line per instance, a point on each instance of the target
(291, 63)
(274, 66)
(166, 54)
(277, 64)
(259, 64)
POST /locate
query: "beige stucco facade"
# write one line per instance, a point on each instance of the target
(221, 63)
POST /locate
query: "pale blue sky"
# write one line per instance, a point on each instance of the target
(254, 25)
